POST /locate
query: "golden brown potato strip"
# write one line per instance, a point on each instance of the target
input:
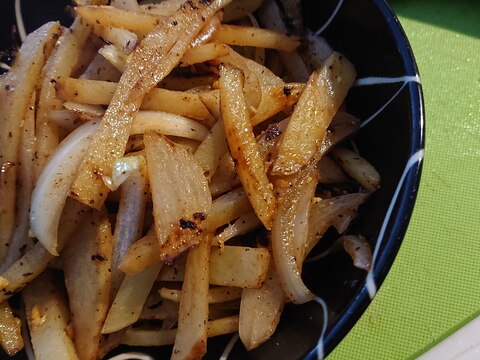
(48, 318)
(97, 92)
(15, 95)
(11, 338)
(137, 22)
(256, 37)
(191, 337)
(260, 311)
(87, 261)
(60, 64)
(243, 146)
(325, 91)
(153, 59)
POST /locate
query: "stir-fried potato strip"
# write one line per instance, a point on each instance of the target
(166, 170)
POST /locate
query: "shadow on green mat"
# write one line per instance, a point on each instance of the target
(458, 15)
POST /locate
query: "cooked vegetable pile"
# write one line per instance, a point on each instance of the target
(166, 169)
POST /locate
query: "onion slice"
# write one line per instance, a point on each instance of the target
(290, 231)
(53, 185)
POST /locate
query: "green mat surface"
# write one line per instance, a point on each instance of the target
(433, 287)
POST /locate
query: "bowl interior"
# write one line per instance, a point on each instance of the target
(367, 32)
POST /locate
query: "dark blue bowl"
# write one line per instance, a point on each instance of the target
(369, 34)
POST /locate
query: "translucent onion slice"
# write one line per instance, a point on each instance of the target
(53, 185)
(290, 234)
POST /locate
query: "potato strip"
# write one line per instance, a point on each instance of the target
(325, 91)
(87, 261)
(137, 22)
(19, 83)
(256, 37)
(242, 145)
(156, 55)
(97, 92)
(191, 337)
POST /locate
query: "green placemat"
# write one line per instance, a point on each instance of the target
(433, 287)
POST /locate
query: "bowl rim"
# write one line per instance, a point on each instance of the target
(407, 197)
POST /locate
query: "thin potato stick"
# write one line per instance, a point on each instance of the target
(19, 83)
(11, 338)
(215, 295)
(59, 65)
(153, 59)
(242, 145)
(325, 91)
(159, 337)
(130, 298)
(97, 92)
(137, 22)
(256, 37)
(191, 337)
